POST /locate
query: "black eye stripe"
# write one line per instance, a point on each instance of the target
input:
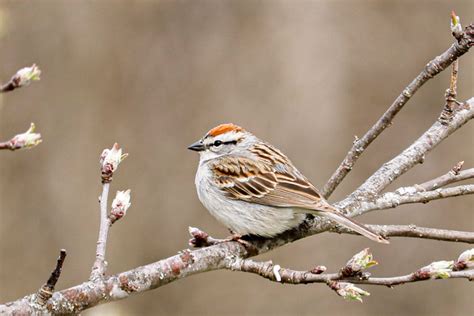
(218, 143)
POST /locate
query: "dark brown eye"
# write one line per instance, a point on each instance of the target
(217, 143)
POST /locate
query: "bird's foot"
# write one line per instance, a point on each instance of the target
(240, 239)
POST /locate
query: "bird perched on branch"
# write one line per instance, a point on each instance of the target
(253, 188)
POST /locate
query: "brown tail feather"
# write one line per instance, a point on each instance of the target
(329, 211)
(350, 223)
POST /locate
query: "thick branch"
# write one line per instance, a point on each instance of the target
(434, 67)
(220, 256)
(144, 278)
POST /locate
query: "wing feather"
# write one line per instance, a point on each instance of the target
(271, 179)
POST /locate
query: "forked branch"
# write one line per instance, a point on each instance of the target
(464, 41)
(109, 162)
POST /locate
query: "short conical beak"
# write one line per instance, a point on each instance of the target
(197, 146)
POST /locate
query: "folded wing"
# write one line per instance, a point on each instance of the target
(260, 181)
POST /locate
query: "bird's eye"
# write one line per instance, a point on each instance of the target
(217, 143)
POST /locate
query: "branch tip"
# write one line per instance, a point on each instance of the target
(22, 78)
(457, 168)
(26, 140)
(465, 261)
(456, 28)
(348, 291)
(109, 162)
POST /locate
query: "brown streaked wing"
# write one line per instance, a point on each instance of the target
(276, 184)
(243, 178)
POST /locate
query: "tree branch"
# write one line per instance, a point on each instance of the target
(100, 266)
(288, 276)
(414, 231)
(410, 195)
(411, 156)
(464, 41)
(448, 178)
(228, 255)
(122, 285)
(109, 162)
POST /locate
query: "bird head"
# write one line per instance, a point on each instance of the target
(222, 140)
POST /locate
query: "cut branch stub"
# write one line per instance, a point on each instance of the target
(46, 291)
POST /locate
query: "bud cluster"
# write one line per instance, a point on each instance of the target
(120, 205)
(25, 76)
(25, 140)
(435, 270)
(465, 261)
(359, 262)
(348, 291)
(109, 162)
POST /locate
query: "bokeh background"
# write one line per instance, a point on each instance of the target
(156, 75)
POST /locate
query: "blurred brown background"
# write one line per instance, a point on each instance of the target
(156, 75)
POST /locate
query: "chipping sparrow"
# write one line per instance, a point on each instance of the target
(253, 188)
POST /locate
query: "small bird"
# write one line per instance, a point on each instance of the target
(253, 188)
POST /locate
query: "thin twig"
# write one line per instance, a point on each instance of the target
(434, 67)
(100, 266)
(109, 161)
(414, 231)
(448, 178)
(46, 291)
(451, 92)
(410, 195)
(450, 95)
(7, 145)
